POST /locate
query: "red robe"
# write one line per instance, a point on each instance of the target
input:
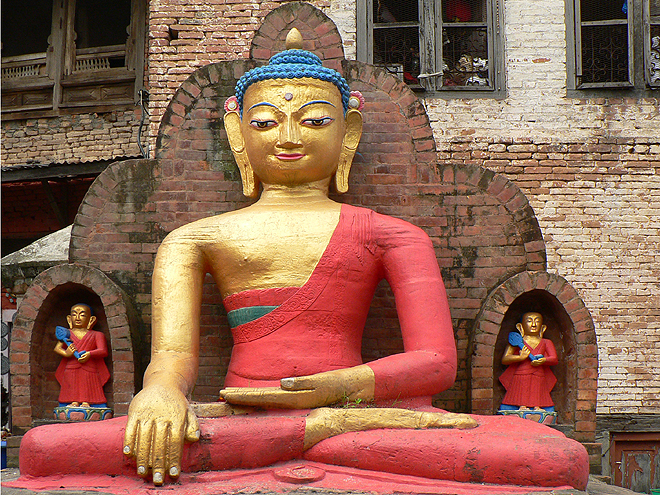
(83, 382)
(528, 385)
(318, 327)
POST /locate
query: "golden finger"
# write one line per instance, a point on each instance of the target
(129, 435)
(270, 397)
(300, 382)
(192, 431)
(143, 448)
(174, 448)
(159, 445)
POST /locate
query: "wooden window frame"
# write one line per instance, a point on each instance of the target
(638, 24)
(66, 79)
(431, 27)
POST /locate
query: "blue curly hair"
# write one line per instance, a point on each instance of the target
(293, 64)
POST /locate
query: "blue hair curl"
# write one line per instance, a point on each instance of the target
(293, 64)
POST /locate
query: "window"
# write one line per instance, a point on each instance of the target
(434, 45)
(617, 44)
(68, 54)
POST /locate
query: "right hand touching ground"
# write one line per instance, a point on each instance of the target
(159, 421)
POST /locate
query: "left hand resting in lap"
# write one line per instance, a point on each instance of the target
(308, 392)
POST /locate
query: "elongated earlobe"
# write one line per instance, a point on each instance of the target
(349, 147)
(237, 144)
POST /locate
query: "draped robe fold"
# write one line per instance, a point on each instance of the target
(83, 382)
(528, 385)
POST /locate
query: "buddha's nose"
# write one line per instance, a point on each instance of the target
(290, 134)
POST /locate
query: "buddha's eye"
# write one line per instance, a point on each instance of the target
(262, 124)
(318, 122)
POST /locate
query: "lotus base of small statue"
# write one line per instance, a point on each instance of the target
(538, 416)
(82, 413)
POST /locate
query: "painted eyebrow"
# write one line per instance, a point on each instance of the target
(264, 104)
(316, 101)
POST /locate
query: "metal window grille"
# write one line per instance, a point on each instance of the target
(604, 43)
(432, 44)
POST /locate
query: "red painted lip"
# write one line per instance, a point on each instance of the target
(290, 156)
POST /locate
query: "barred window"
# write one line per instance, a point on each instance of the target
(433, 45)
(617, 44)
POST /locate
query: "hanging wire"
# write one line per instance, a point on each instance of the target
(143, 102)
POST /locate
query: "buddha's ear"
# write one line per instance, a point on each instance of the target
(520, 329)
(237, 145)
(349, 146)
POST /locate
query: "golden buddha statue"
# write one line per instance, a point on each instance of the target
(297, 272)
(275, 260)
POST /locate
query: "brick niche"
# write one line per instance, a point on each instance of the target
(45, 305)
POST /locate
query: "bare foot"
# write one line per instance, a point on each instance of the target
(326, 422)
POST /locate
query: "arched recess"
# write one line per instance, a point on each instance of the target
(319, 33)
(45, 305)
(571, 329)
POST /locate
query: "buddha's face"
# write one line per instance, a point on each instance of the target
(532, 323)
(293, 130)
(80, 316)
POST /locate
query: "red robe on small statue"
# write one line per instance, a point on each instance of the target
(83, 382)
(528, 385)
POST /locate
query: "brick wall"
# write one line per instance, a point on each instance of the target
(34, 390)
(598, 205)
(26, 210)
(70, 138)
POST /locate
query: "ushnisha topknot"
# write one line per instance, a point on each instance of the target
(293, 63)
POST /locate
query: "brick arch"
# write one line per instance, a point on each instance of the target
(571, 329)
(320, 34)
(45, 305)
(397, 145)
(512, 199)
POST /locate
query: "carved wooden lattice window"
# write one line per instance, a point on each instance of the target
(617, 44)
(67, 54)
(435, 45)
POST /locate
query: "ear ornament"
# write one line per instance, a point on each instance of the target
(231, 104)
(356, 101)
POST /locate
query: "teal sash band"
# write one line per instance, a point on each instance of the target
(245, 315)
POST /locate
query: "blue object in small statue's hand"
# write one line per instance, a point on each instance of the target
(63, 334)
(516, 340)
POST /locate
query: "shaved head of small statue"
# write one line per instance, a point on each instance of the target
(297, 272)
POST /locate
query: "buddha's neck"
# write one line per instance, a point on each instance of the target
(276, 194)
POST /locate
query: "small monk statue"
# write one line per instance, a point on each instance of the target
(297, 272)
(82, 371)
(528, 379)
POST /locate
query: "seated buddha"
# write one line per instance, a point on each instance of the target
(297, 272)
